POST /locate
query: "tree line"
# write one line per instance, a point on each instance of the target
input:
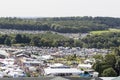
(49, 39)
(105, 40)
(60, 24)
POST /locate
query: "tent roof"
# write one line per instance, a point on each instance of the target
(3, 52)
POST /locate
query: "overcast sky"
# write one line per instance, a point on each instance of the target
(59, 8)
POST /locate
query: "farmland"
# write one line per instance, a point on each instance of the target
(105, 31)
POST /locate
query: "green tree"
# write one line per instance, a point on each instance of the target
(110, 59)
(117, 65)
(7, 41)
(18, 38)
(116, 51)
(78, 43)
(109, 72)
(98, 57)
(35, 41)
(98, 67)
(54, 43)
(2, 39)
(25, 39)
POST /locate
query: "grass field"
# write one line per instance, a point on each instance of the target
(104, 31)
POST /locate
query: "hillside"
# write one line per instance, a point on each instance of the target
(61, 24)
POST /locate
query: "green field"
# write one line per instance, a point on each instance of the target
(104, 31)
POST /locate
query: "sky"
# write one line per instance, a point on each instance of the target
(59, 8)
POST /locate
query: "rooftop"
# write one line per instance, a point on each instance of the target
(51, 78)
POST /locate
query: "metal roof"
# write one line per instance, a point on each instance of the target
(62, 70)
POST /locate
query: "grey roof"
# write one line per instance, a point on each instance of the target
(107, 78)
(51, 78)
(117, 78)
(59, 78)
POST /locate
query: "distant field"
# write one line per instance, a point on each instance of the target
(105, 31)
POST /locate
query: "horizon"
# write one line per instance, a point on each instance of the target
(54, 17)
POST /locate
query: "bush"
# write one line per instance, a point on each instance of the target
(109, 72)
